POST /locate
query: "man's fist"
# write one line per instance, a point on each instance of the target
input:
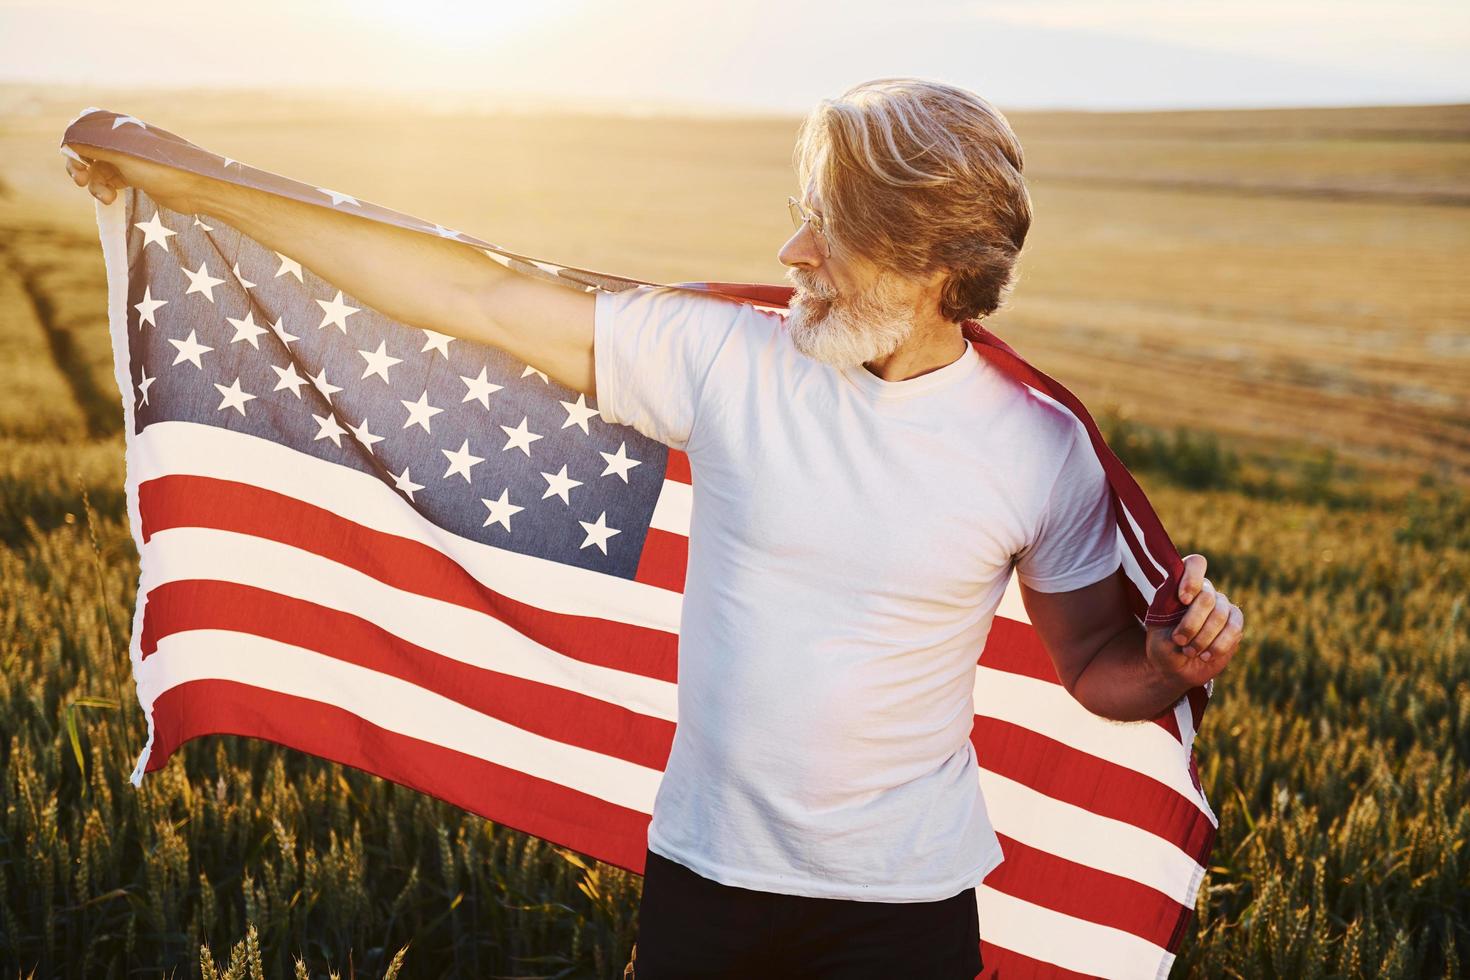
(106, 172)
(1199, 646)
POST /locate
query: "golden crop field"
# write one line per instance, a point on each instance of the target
(1268, 311)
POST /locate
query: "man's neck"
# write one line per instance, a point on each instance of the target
(924, 351)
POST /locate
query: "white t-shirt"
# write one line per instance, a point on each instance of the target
(849, 543)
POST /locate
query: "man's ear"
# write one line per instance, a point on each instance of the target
(932, 286)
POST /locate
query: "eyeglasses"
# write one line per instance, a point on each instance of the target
(800, 216)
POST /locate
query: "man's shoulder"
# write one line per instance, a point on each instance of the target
(1043, 421)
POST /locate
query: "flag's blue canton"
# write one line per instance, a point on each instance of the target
(570, 486)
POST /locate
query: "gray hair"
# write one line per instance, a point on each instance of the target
(918, 176)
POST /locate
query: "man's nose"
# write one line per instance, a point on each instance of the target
(801, 249)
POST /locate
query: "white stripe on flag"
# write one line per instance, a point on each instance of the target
(674, 507)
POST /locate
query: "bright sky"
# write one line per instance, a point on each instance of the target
(779, 55)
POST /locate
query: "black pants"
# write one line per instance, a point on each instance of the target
(690, 926)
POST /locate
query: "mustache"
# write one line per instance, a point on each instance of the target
(806, 283)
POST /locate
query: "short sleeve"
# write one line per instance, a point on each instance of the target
(652, 349)
(1076, 542)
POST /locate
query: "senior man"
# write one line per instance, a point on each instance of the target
(865, 484)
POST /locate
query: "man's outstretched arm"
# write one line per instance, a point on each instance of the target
(417, 279)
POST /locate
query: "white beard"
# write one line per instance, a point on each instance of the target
(847, 333)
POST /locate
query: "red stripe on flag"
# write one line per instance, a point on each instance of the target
(197, 501)
(677, 468)
(1016, 648)
(567, 716)
(664, 561)
(1044, 879)
(545, 809)
(1097, 785)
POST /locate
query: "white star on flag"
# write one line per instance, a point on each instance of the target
(559, 484)
(201, 281)
(364, 436)
(148, 307)
(323, 385)
(619, 462)
(154, 232)
(480, 388)
(598, 533)
(246, 283)
(280, 331)
(419, 412)
(246, 329)
(233, 397)
(520, 437)
(500, 510)
(530, 371)
(403, 483)
(329, 428)
(290, 265)
(461, 460)
(335, 312)
(437, 341)
(190, 349)
(578, 413)
(379, 361)
(143, 387)
(289, 378)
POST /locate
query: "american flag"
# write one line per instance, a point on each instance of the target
(416, 555)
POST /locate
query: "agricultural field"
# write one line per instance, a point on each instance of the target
(1267, 311)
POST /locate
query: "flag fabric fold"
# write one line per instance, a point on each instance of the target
(416, 555)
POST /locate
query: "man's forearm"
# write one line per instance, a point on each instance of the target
(417, 279)
(1123, 684)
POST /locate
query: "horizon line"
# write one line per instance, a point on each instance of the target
(499, 100)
